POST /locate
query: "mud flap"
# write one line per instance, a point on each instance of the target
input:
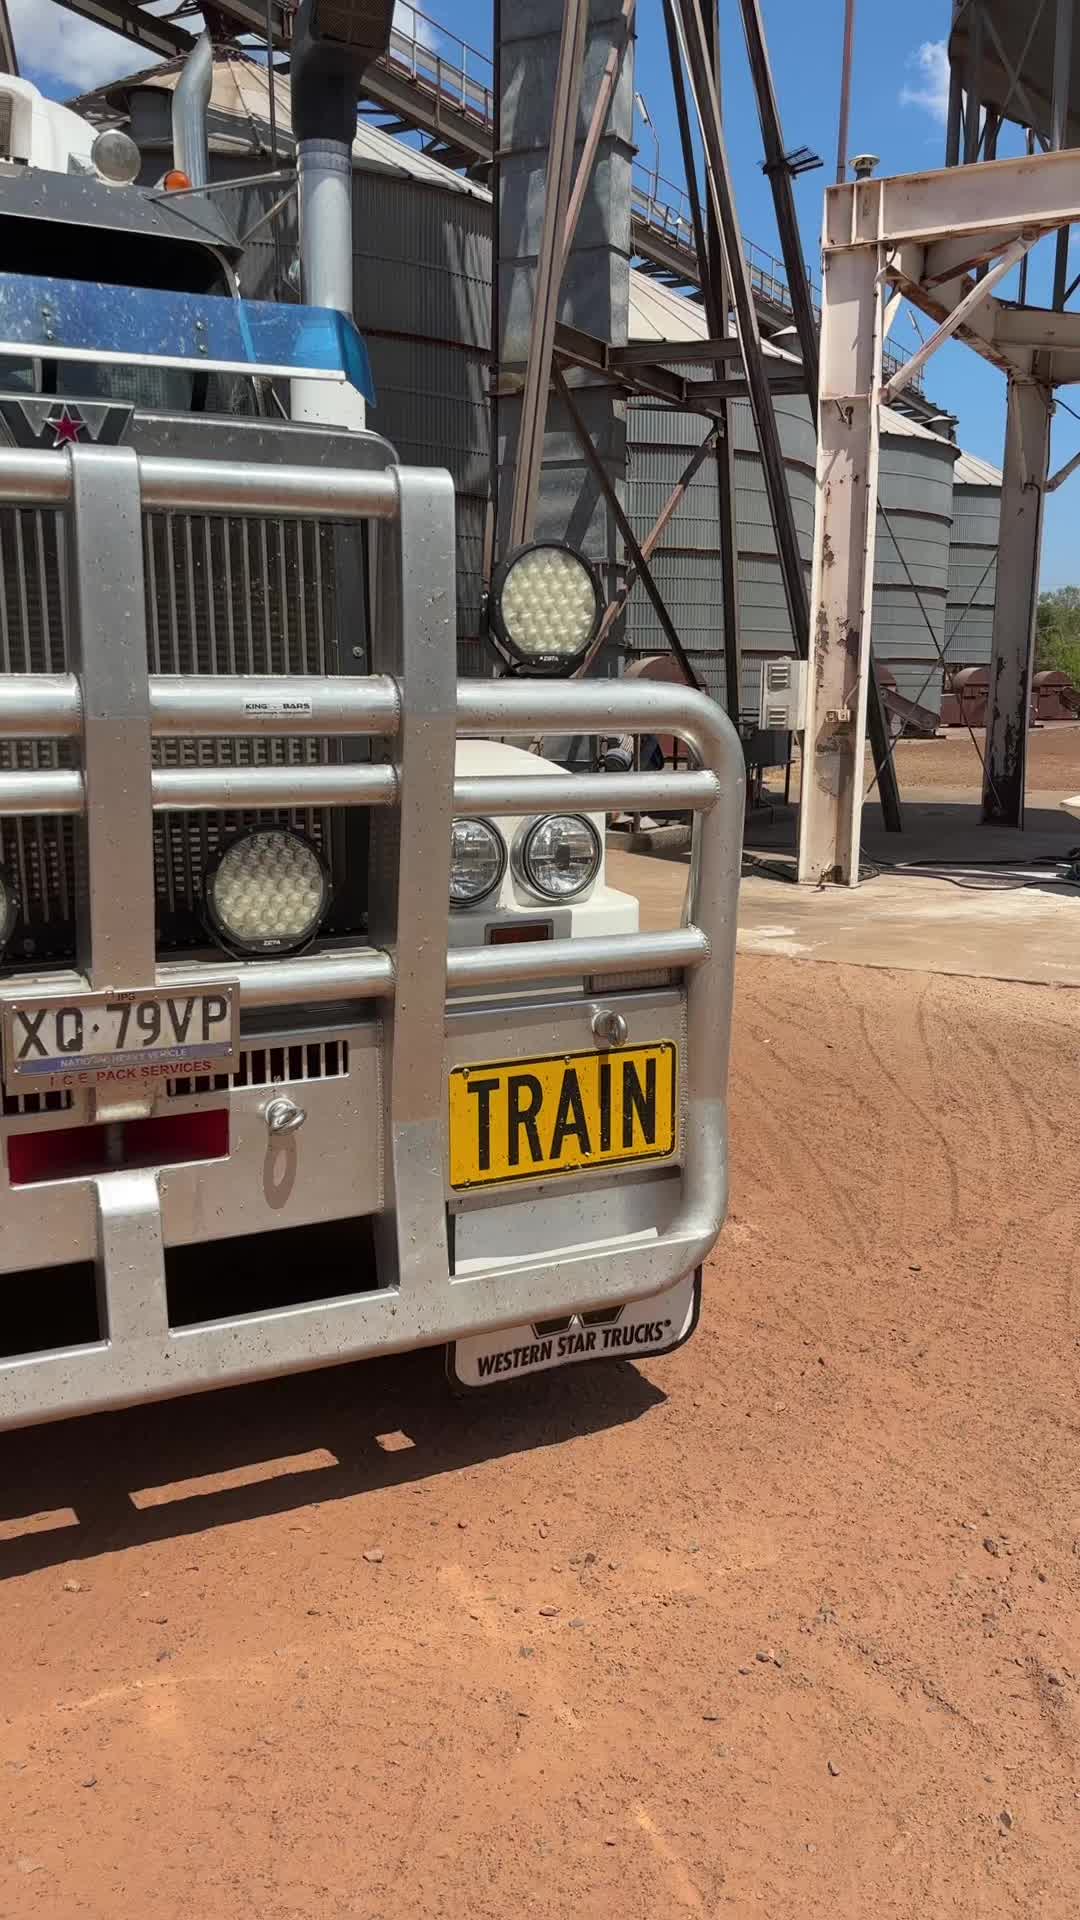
(635, 1332)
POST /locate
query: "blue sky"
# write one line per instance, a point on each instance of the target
(897, 112)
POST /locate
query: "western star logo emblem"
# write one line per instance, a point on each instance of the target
(68, 426)
(53, 423)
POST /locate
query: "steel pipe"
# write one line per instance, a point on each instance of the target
(190, 705)
(52, 792)
(232, 486)
(194, 789)
(32, 478)
(46, 706)
(190, 102)
(366, 975)
(469, 967)
(588, 793)
(604, 707)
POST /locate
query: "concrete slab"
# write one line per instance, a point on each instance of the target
(1003, 923)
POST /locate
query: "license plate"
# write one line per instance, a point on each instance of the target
(120, 1037)
(525, 1119)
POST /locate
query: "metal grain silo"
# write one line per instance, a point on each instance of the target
(423, 304)
(687, 563)
(766, 628)
(911, 572)
(969, 621)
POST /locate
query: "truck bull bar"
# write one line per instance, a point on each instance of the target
(413, 706)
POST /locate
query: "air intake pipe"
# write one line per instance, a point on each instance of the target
(333, 42)
(190, 102)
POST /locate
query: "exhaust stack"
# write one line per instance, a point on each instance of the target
(333, 43)
(190, 102)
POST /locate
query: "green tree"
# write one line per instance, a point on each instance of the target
(1057, 632)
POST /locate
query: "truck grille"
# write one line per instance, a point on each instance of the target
(224, 595)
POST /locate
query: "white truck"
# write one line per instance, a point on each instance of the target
(322, 1033)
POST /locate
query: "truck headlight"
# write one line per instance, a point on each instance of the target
(268, 893)
(116, 157)
(477, 861)
(559, 856)
(545, 606)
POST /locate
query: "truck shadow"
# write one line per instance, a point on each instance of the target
(79, 1488)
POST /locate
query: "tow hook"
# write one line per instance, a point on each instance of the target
(283, 1116)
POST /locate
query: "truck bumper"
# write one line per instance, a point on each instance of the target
(550, 1247)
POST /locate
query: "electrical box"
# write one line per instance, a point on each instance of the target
(783, 695)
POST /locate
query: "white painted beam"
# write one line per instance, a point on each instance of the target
(834, 742)
(1027, 458)
(1007, 196)
(975, 297)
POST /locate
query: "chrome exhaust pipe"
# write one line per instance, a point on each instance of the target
(332, 44)
(190, 102)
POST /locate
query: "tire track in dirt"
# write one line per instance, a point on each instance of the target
(698, 1581)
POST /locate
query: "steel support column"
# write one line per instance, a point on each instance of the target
(972, 102)
(779, 172)
(722, 197)
(1027, 460)
(9, 62)
(549, 270)
(1059, 129)
(715, 289)
(617, 604)
(640, 563)
(844, 121)
(830, 817)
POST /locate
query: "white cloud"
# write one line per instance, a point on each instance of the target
(50, 40)
(931, 63)
(414, 25)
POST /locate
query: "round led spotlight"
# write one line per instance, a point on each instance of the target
(559, 856)
(268, 892)
(116, 157)
(9, 909)
(477, 861)
(546, 606)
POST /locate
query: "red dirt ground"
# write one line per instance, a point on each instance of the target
(952, 762)
(817, 1640)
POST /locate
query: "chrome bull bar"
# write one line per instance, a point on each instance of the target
(414, 708)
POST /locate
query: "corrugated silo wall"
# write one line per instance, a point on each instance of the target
(916, 492)
(423, 304)
(687, 564)
(911, 585)
(969, 621)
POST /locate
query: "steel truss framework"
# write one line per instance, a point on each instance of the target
(942, 240)
(741, 368)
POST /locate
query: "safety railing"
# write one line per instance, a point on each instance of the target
(433, 58)
(664, 208)
(58, 707)
(49, 707)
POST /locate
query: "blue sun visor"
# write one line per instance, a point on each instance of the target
(75, 320)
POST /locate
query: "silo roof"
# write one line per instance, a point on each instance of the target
(241, 94)
(658, 313)
(970, 471)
